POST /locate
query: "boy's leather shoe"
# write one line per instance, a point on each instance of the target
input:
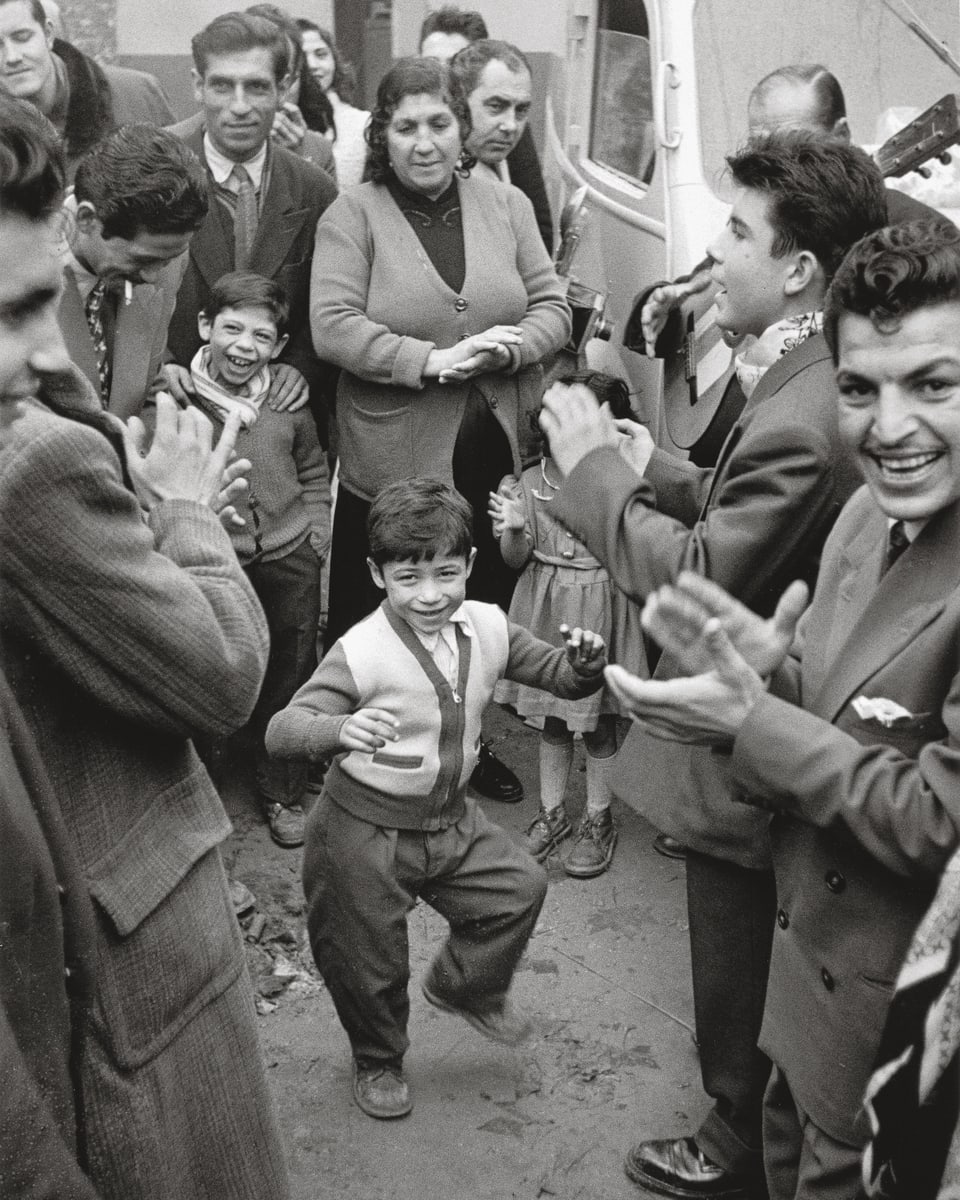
(381, 1091)
(549, 828)
(668, 846)
(502, 1024)
(678, 1167)
(593, 846)
(286, 824)
(494, 780)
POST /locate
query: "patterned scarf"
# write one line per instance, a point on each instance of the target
(759, 355)
(913, 1098)
(248, 400)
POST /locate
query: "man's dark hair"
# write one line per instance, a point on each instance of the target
(831, 106)
(453, 20)
(823, 194)
(236, 33)
(247, 289)
(32, 168)
(37, 11)
(141, 179)
(893, 272)
(312, 101)
(467, 64)
(418, 519)
(410, 77)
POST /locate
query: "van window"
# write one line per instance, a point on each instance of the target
(621, 125)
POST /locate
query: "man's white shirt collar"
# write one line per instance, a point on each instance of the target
(221, 167)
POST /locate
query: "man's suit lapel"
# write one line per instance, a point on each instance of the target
(876, 618)
(76, 334)
(209, 247)
(281, 219)
(132, 340)
(811, 351)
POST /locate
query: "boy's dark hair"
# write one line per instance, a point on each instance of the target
(417, 519)
(467, 64)
(450, 19)
(894, 272)
(236, 33)
(31, 161)
(411, 77)
(823, 193)
(831, 106)
(141, 179)
(247, 289)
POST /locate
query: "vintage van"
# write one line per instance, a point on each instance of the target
(649, 97)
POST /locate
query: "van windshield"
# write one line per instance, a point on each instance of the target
(881, 64)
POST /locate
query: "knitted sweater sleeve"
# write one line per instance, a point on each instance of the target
(309, 726)
(538, 664)
(339, 287)
(546, 324)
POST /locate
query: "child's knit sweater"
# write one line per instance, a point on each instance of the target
(419, 781)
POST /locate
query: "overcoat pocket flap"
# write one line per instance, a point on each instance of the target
(181, 825)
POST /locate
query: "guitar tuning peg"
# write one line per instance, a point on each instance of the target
(923, 172)
(946, 158)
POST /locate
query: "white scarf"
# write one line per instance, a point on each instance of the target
(247, 401)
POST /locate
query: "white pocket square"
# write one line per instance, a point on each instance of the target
(876, 708)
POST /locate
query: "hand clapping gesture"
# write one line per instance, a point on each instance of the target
(586, 651)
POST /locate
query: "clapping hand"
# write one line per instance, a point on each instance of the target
(575, 424)
(481, 353)
(726, 648)
(586, 651)
(368, 730)
(506, 512)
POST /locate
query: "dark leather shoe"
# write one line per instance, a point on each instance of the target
(669, 847)
(678, 1167)
(381, 1091)
(494, 780)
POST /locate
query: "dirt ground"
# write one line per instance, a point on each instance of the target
(606, 979)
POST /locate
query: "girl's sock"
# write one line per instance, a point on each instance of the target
(556, 759)
(599, 793)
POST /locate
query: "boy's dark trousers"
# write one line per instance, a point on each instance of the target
(289, 590)
(361, 881)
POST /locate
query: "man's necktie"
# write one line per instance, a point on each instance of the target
(897, 542)
(94, 311)
(245, 218)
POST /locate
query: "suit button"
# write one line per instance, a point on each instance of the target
(828, 980)
(835, 881)
(461, 304)
(493, 402)
(782, 919)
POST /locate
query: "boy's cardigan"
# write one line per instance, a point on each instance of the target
(378, 307)
(419, 781)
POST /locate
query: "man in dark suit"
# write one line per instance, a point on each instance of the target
(139, 195)
(855, 747)
(264, 200)
(754, 524)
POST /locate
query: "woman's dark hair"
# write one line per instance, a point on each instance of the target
(344, 81)
(316, 109)
(412, 77)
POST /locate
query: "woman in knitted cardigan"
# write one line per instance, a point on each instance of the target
(433, 292)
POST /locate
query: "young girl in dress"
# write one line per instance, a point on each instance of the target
(563, 584)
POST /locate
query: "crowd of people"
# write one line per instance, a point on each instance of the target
(286, 348)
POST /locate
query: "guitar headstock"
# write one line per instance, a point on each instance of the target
(926, 137)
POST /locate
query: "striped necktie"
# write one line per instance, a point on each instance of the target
(897, 542)
(94, 312)
(244, 219)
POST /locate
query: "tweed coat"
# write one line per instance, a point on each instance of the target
(297, 194)
(753, 524)
(47, 953)
(868, 814)
(139, 339)
(123, 637)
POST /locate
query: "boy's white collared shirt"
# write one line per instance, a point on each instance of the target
(443, 649)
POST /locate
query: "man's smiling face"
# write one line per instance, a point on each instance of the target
(900, 407)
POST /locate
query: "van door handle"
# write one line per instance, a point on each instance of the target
(667, 76)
